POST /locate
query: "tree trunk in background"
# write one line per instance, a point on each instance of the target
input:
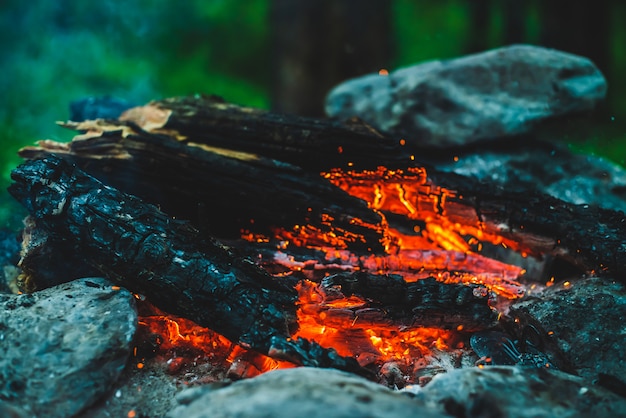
(515, 14)
(320, 43)
(481, 14)
(480, 17)
(578, 26)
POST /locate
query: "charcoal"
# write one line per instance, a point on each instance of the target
(425, 303)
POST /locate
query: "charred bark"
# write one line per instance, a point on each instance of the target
(425, 303)
(314, 144)
(589, 237)
(235, 168)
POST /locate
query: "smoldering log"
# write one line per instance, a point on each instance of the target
(188, 274)
(587, 236)
(219, 190)
(424, 303)
(235, 168)
(167, 260)
(313, 144)
(150, 253)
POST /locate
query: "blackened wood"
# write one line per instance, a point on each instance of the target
(589, 237)
(314, 144)
(140, 247)
(309, 353)
(223, 189)
(167, 260)
(424, 303)
(61, 260)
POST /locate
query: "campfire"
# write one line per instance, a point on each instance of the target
(365, 260)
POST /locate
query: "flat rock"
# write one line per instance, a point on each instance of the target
(64, 347)
(585, 320)
(545, 167)
(300, 392)
(514, 392)
(495, 94)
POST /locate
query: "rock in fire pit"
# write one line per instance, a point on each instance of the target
(494, 94)
(64, 347)
(585, 320)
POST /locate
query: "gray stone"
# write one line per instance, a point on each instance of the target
(301, 392)
(498, 93)
(586, 321)
(12, 411)
(548, 168)
(63, 347)
(513, 392)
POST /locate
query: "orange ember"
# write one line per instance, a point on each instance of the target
(443, 241)
(441, 244)
(332, 324)
(409, 193)
(179, 341)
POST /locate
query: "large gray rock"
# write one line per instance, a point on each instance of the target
(63, 348)
(586, 321)
(513, 392)
(498, 93)
(301, 392)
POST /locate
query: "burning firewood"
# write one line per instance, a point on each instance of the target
(230, 169)
(126, 238)
(425, 303)
(140, 247)
(188, 274)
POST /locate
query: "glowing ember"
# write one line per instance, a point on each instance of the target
(179, 341)
(331, 324)
(409, 193)
(437, 244)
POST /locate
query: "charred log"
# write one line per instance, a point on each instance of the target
(313, 144)
(167, 260)
(590, 237)
(138, 246)
(425, 303)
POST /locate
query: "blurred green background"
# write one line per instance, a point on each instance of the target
(253, 52)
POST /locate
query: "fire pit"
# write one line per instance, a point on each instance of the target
(338, 251)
